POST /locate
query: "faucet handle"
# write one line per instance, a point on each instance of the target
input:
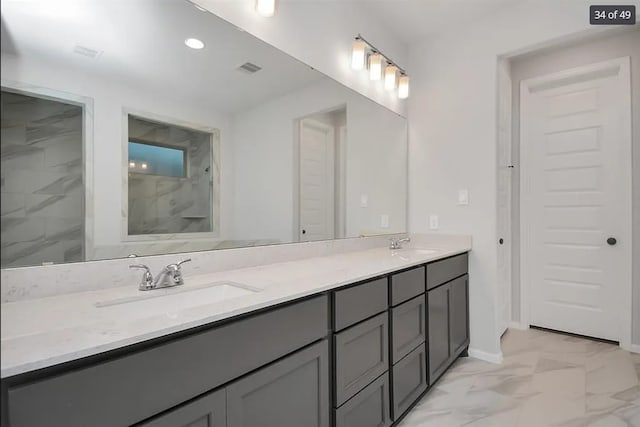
(147, 278)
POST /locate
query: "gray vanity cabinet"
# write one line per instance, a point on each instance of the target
(207, 411)
(291, 392)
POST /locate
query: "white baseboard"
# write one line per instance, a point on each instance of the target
(518, 325)
(487, 357)
(634, 348)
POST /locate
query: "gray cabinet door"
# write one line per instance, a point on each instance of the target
(409, 380)
(207, 411)
(438, 320)
(362, 355)
(407, 325)
(369, 408)
(290, 393)
(459, 309)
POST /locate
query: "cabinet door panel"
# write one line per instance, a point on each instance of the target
(362, 355)
(408, 322)
(438, 320)
(207, 411)
(291, 392)
(409, 380)
(369, 408)
(459, 300)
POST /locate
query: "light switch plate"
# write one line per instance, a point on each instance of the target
(433, 222)
(384, 221)
(463, 197)
(364, 201)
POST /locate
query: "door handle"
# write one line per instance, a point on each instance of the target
(611, 241)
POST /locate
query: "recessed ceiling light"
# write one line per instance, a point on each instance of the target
(194, 43)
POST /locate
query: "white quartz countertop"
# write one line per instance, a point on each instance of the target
(43, 332)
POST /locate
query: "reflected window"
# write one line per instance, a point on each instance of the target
(170, 185)
(157, 160)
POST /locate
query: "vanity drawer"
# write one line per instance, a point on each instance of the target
(148, 382)
(409, 380)
(408, 326)
(360, 302)
(362, 355)
(407, 285)
(369, 408)
(440, 272)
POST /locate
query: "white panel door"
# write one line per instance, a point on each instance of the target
(576, 196)
(317, 175)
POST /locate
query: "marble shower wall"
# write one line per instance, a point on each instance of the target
(164, 204)
(42, 181)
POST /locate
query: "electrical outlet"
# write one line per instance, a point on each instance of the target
(463, 197)
(364, 201)
(433, 222)
(384, 221)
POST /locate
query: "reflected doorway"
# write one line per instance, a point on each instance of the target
(321, 145)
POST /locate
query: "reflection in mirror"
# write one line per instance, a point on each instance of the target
(119, 138)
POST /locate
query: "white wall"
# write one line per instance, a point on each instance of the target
(109, 99)
(376, 160)
(558, 59)
(452, 132)
(320, 34)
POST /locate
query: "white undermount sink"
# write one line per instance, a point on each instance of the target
(180, 297)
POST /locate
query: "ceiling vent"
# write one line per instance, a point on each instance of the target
(87, 51)
(249, 68)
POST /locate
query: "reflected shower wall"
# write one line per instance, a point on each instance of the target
(42, 181)
(170, 179)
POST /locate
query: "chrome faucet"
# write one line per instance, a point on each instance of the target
(171, 275)
(397, 243)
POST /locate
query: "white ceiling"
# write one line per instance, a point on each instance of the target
(412, 20)
(143, 45)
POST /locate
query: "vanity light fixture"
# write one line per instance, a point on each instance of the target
(144, 166)
(194, 43)
(132, 164)
(375, 66)
(266, 8)
(390, 77)
(358, 54)
(364, 53)
(403, 87)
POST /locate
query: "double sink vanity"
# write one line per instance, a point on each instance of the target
(348, 340)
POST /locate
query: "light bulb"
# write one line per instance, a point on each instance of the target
(403, 87)
(375, 66)
(132, 164)
(143, 166)
(390, 73)
(266, 8)
(358, 55)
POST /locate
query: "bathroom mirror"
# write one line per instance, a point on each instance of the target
(151, 127)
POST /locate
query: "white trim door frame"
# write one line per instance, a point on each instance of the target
(618, 283)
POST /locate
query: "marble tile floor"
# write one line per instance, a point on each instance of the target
(546, 379)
